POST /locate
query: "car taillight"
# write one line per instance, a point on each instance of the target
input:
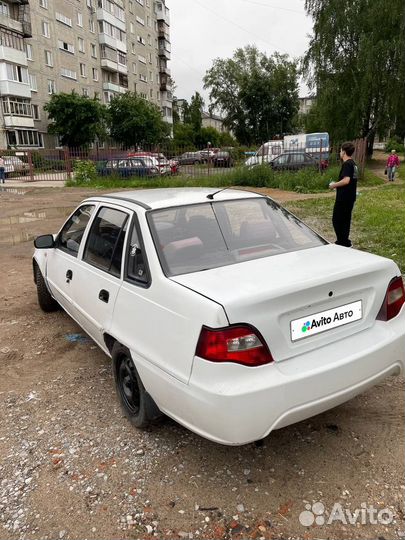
(393, 301)
(238, 344)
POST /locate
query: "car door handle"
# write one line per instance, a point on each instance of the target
(104, 296)
(69, 275)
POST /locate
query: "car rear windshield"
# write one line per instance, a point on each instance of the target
(203, 236)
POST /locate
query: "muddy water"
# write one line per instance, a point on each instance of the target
(15, 229)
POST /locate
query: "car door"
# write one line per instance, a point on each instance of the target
(97, 279)
(62, 262)
(296, 161)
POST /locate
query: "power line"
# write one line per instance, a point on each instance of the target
(236, 24)
(273, 7)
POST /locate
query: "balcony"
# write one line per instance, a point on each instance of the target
(105, 39)
(104, 15)
(163, 30)
(113, 66)
(113, 87)
(162, 12)
(164, 82)
(18, 121)
(8, 54)
(165, 70)
(11, 24)
(164, 48)
(14, 88)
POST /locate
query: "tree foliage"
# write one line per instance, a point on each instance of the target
(78, 120)
(134, 121)
(257, 94)
(356, 64)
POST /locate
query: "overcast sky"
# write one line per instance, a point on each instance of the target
(202, 30)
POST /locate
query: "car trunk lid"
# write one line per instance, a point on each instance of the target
(281, 295)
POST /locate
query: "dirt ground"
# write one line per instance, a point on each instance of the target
(71, 466)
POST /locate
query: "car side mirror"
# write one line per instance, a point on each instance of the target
(46, 241)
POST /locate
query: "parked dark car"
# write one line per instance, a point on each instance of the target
(126, 167)
(222, 159)
(190, 158)
(293, 161)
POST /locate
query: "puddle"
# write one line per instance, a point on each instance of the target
(77, 338)
(15, 191)
(11, 234)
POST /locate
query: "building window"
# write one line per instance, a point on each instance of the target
(82, 69)
(28, 50)
(79, 19)
(4, 9)
(134, 68)
(33, 83)
(142, 59)
(24, 137)
(48, 58)
(131, 6)
(51, 87)
(95, 74)
(68, 73)
(85, 92)
(17, 73)
(80, 42)
(140, 20)
(93, 50)
(91, 26)
(43, 3)
(68, 47)
(63, 19)
(35, 112)
(45, 29)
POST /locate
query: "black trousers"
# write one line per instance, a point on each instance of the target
(342, 216)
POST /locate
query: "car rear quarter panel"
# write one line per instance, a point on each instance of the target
(160, 324)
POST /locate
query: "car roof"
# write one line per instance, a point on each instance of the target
(166, 198)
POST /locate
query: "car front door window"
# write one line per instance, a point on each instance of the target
(71, 235)
(106, 240)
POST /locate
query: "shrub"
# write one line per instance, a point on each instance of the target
(84, 171)
(394, 144)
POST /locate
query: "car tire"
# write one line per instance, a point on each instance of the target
(45, 300)
(136, 403)
(196, 162)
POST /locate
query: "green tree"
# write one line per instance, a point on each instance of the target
(208, 135)
(78, 120)
(134, 121)
(183, 137)
(256, 94)
(355, 62)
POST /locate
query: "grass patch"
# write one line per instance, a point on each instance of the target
(378, 224)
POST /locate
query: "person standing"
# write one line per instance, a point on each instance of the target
(392, 164)
(346, 189)
(2, 171)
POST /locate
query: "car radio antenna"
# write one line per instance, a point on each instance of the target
(211, 196)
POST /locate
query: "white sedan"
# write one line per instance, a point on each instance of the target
(221, 309)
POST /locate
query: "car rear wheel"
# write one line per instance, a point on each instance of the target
(136, 403)
(45, 300)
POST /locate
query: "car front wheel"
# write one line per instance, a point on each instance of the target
(137, 404)
(45, 300)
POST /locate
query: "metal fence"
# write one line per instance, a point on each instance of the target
(59, 164)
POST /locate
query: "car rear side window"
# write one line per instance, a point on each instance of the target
(71, 235)
(105, 242)
(137, 267)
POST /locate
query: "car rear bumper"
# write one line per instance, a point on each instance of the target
(235, 405)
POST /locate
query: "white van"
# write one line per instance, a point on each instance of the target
(266, 153)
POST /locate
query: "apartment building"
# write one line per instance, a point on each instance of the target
(98, 48)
